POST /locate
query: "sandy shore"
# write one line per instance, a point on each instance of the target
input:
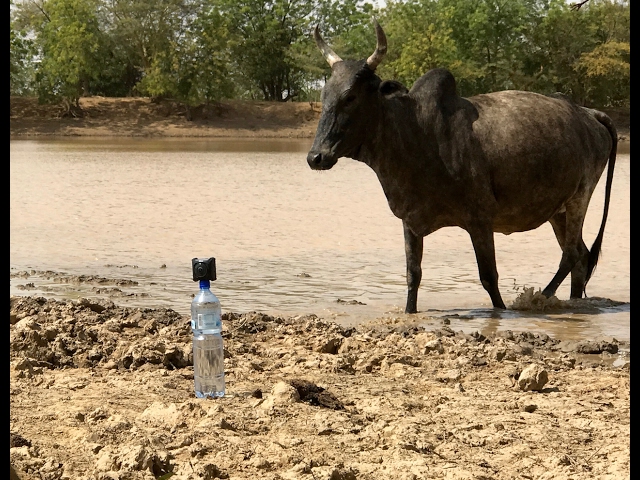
(99, 391)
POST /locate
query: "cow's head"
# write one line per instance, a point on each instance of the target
(349, 100)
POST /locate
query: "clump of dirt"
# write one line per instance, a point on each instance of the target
(101, 391)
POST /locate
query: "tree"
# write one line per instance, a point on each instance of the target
(20, 56)
(199, 51)
(420, 39)
(207, 58)
(262, 36)
(146, 35)
(69, 41)
(605, 70)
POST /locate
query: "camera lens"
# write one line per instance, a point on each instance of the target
(200, 269)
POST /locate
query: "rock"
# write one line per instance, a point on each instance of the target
(588, 346)
(281, 394)
(96, 415)
(260, 462)
(225, 425)
(425, 343)
(329, 345)
(534, 377)
(285, 393)
(257, 393)
(596, 347)
(208, 471)
(23, 364)
(352, 344)
(622, 363)
(434, 346)
(499, 354)
(444, 331)
(160, 414)
(135, 458)
(368, 364)
(106, 461)
(478, 361)
(449, 376)
(17, 440)
(567, 346)
(523, 348)
(332, 473)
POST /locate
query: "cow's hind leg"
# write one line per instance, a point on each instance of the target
(579, 271)
(574, 251)
(413, 251)
(482, 239)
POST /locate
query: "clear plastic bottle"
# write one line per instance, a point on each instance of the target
(208, 356)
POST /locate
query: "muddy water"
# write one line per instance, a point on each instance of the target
(122, 219)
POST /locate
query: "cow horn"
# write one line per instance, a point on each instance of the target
(329, 54)
(381, 48)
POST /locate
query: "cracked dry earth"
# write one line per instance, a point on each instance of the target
(99, 391)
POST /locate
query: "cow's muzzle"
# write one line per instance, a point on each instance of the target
(319, 161)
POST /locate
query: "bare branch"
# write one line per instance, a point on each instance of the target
(578, 5)
(41, 8)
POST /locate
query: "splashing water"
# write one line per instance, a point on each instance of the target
(534, 301)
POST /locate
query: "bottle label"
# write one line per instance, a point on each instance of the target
(207, 321)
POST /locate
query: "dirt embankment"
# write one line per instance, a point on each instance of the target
(101, 116)
(99, 391)
(141, 117)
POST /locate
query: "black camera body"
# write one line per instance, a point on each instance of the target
(203, 268)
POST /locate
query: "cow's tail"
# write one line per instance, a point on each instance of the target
(596, 248)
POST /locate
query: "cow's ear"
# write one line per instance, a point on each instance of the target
(390, 88)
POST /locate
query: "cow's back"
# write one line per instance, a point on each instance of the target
(519, 123)
(537, 152)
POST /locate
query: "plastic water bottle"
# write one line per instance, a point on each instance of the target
(208, 355)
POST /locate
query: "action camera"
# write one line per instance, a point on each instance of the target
(203, 268)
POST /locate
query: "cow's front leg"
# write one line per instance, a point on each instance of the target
(482, 239)
(413, 252)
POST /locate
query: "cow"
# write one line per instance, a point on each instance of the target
(504, 162)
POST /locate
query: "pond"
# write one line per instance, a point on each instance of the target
(122, 218)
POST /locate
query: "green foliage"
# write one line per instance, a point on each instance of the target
(150, 37)
(198, 51)
(420, 39)
(264, 35)
(20, 57)
(69, 42)
(606, 70)
(193, 67)
(491, 45)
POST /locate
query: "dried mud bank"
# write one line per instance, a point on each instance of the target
(99, 391)
(142, 117)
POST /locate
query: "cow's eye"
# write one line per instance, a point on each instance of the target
(349, 99)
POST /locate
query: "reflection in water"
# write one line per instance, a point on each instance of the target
(287, 239)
